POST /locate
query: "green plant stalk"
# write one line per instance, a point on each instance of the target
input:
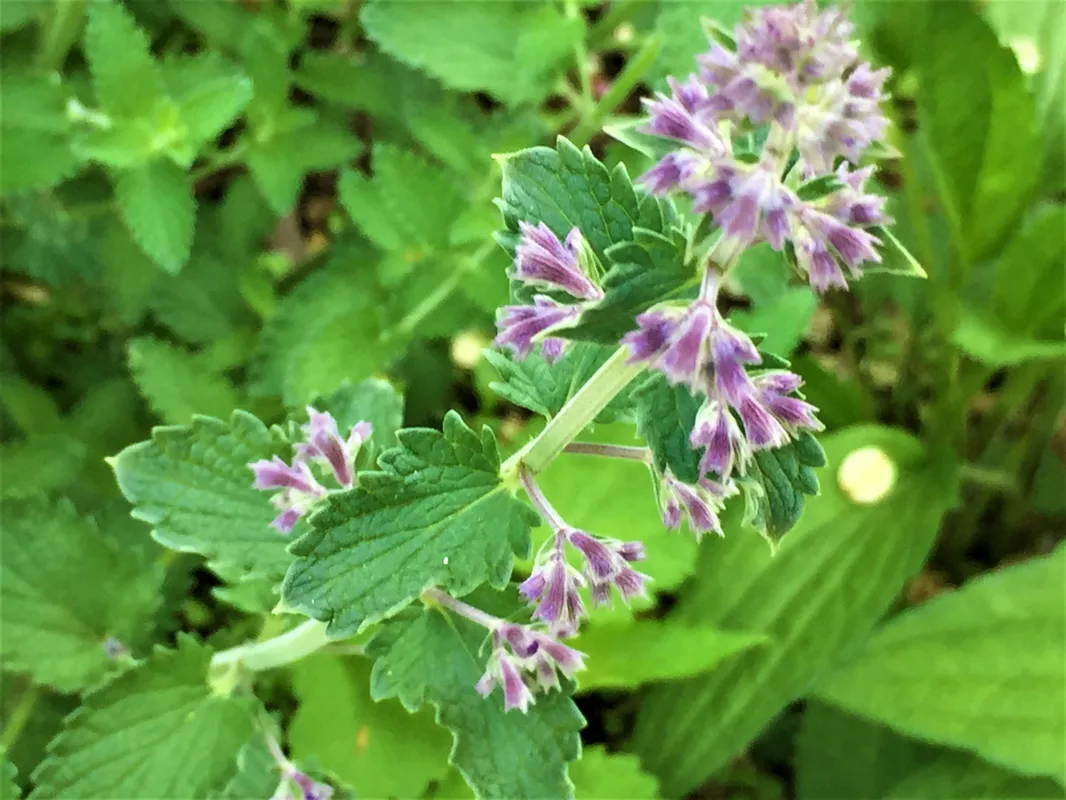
(301, 641)
(581, 55)
(628, 78)
(19, 717)
(616, 15)
(574, 417)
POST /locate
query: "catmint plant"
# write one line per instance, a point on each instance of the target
(618, 312)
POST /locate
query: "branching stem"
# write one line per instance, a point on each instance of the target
(583, 407)
(301, 641)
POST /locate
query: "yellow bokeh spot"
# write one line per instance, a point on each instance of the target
(867, 475)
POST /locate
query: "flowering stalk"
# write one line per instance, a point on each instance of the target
(554, 585)
(594, 396)
(294, 784)
(524, 661)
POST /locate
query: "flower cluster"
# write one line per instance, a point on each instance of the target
(524, 661)
(697, 347)
(544, 263)
(553, 586)
(797, 72)
(297, 489)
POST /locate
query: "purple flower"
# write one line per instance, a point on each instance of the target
(520, 326)
(775, 391)
(542, 260)
(679, 117)
(718, 431)
(552, 349)
(554, 586)
(325, 445)
(851, 204)
(276, 474)
(522, 660)
(307, 788)
(700, 503)
(821, 240)
(299, 490)
(673, 171)
(607, 564)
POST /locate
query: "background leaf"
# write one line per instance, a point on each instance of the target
(192, 484)
(67, 589)
(812, 599)
(157, 730)
(377, 748)
(999, 639)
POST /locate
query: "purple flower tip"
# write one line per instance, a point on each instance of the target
(520, 326)
(607, 564)
(323, 443)
(524, 661)
(542, 260)
(701, 504)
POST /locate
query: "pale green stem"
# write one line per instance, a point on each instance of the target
(18, 718)
(301, 641)
(583, 407)
(627, 452)
(476, 615)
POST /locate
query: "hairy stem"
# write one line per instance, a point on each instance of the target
(628, 452)
(476, 615)
(301, 641)
(583, 407)
(540, 502)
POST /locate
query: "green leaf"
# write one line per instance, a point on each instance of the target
(990, 343)
(778, 483)
(763, 274)
(391, 208)
(646, 271)
(1029, 292)
(157, 730)
(840, 756)
(624, 654)
(210, 94)
(363, 742)
(665, 416)
(35, 147)
(305, 349)
(565, 186)
(375, 401)
(831, 579)
(9, 788)
(627, 131)
(979, 665)
(512, 50)
(436, 514)
(127, 80)
(66, 590)
(192, 484)
(175, 383)
(599, 775)
(156, 203)
(979, 118)
(588, 492)
(895, 258)
(203, 304)
(40, 464)
(545, 388)
(430, 656)
(257, 772)
(783, 321)
(959, 776)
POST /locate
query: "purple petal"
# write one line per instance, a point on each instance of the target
(541, 259)
(276, 474)
(599, 560)
(286, 520)
(520, 325)
(762, 429)
(653, 332)
(684, 358)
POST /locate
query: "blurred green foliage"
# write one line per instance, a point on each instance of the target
(210, 205)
